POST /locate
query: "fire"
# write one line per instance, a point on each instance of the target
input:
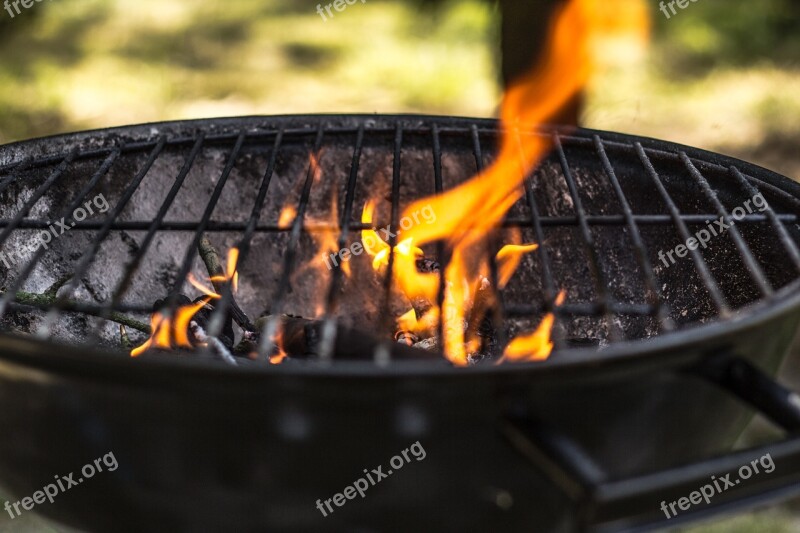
(535, 346)
(172, 332)
(327, 240)
(278, 357)
(508, 259)
(469, 213)
(230, 275)
(287, 216)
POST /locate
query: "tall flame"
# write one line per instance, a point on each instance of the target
(327, 240)
(468, 213)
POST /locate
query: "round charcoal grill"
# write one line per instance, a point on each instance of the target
(657, 367)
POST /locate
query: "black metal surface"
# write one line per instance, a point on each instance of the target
(203, 446)
(604, 504)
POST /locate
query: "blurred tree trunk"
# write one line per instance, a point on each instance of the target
(524, 32)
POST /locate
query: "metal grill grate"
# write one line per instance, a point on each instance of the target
(618, 200)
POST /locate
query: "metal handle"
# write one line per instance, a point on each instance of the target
(634, 504)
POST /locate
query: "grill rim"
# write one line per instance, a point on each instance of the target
(783, 301)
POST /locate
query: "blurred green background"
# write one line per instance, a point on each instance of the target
(722, 75)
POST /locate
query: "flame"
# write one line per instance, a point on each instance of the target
(172, 332)
(535, 346)
(467, 214)
(287, 216)
(202, 288)
(231, 274)
(278, 358)
(408, 321)
(328, 242)
(508, 259)
(405, 260)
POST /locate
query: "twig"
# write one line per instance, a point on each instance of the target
(53, 289)
(48, 298)
(222, 351)
(123, 338)
(211, 258)
(216, 344)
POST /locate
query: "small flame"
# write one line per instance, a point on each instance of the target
(508, 259)
(278, 358)
(231, 275)
(327, 241)
(287, 216)
(535, 346)
(405, 259)
(202, 288)
(172, 332)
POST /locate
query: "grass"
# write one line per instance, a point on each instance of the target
(171, 60)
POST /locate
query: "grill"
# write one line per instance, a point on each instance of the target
(645, 348)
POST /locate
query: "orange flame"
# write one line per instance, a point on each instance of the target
(327, 240)
(508, 259)
(467, 214)
(405, 256)
(278, 358)
(172, 332)
(535, 346)
(287, 216)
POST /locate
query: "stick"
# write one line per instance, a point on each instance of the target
(123, 338)
(211, 258)
(217, 346)
(48, 298)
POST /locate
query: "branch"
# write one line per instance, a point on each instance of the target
(48, 298)
(211, 258)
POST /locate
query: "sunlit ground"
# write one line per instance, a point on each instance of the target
(66, 66)
(101, 63)
(151, 60)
